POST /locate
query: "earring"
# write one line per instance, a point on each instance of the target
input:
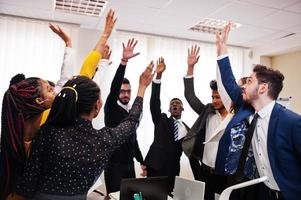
(96, 110)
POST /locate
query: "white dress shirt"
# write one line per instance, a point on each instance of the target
(67, 69)
(210, 148)
(259, 145)
(182, 130)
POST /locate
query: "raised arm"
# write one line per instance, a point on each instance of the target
(114, 137)
(128, 53)
(90, 64)
(192, 59)
(103, 66)
(228, 79)
(62, 34)
(67, 69)
(155, 102)
(222, 91)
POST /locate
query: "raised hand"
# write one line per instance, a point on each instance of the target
(128, 50)
(222, 39)
(147, 76)
(110, 23)
(192, 59)
(145, 79)
(107, 53)
(62, 34)
(193, 55)
(160, 68)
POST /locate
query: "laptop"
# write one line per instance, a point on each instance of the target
(186, 189)
(152, 188)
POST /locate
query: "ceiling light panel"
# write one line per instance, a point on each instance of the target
(82, 7)
(212, 26)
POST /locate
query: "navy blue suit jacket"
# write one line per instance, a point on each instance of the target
(283, 142)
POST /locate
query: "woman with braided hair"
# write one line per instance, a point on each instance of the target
(23, 105)
(68, 154)
(26, 105)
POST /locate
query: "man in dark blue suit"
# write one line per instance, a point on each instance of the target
(276, 142)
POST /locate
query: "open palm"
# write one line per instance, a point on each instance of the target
(128, 50)
(193, 55)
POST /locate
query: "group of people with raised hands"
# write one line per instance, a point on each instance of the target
(50, 150)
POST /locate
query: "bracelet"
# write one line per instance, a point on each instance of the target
(124, 60)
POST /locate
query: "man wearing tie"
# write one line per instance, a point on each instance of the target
(276, 131)
(163, 157)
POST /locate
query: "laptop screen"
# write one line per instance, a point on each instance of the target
(153, 188)
(186, 189)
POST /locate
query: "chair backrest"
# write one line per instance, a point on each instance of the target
(226, 193)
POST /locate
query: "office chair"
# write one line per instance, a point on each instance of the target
(226, 193)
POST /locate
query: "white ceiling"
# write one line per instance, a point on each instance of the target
(264, 22)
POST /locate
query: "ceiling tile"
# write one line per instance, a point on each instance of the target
(295, 29)
(199, 8)
(142, 3)
(267, 39)
(272, 3)
(243, 13)
(248, 33)
(280, 20)
(295, 8)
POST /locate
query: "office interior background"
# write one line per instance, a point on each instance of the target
(269, 34)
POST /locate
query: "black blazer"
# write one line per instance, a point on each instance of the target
(193, 142)
(114, 115)
(164, 153)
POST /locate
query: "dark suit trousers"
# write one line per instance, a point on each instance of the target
(266, 193)
(155, 173)
(115, 172)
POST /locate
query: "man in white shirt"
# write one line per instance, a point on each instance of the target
(276, 142)
(210, 124)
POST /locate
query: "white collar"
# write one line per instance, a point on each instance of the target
(179, 120)
(266, 110)
(126, 107)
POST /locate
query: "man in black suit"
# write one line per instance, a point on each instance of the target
(163, 157)
(121, 164)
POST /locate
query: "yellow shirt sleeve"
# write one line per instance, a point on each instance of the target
(88, 69)
(90, 64)
(44, 116)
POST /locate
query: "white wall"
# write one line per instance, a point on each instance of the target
(289, 65)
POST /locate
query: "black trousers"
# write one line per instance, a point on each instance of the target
(214, 183)
(155, 173)
(269, 194)
(115, 172)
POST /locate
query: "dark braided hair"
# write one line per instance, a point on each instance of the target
(77, 97)
(18, 105)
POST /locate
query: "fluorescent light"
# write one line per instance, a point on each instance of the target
(83, 7)
(212, 26)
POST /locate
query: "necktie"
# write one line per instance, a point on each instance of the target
(239, 174)
(176, 130)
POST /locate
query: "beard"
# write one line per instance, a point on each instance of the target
(124, 100)
(251, 96)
